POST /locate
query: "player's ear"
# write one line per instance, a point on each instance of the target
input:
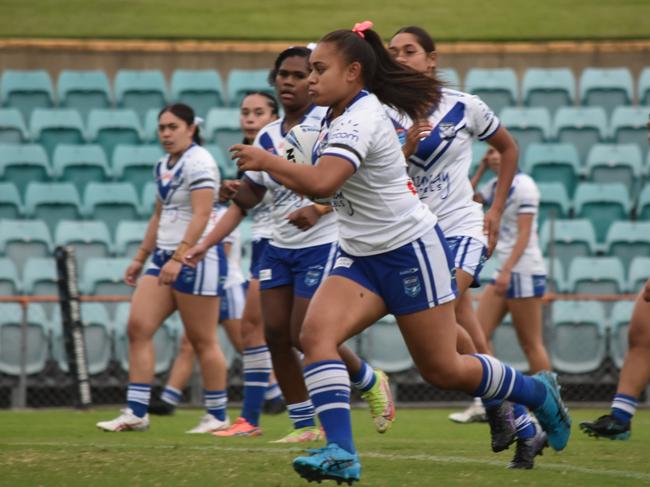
(353, 72)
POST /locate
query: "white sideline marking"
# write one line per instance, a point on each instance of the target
(369, 454)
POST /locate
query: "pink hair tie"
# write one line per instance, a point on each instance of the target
(361, 27)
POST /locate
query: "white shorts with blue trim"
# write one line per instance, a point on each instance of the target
(207, 279)
(524, 285)
(469, 254)
(232, 303)
(411, 278)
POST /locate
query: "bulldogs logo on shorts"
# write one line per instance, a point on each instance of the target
(411, 282)
(313, 276)
(188, 274)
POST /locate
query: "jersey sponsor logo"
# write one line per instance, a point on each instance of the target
(265, 274)
(426, 184)
(313, 275)
(343, 262)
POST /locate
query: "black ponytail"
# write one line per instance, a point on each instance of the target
(396, 85)
(186, 114)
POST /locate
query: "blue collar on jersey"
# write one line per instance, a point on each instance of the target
(304, 117)
(328, 117)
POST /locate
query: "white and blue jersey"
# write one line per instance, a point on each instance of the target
(293, 257)
(389, 240)
(529, 273)
(195, 169)
(440, 166)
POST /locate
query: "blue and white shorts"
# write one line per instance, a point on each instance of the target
(207, 279)
(411, 278)
(257, 250)
(304, 269)
(524, 285)
(232, 303)
(469, 255)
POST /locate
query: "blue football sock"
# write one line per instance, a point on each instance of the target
(523, 422)
(302, 414)
(257, 371)
(328, 384)
(365, 379)
(137, 398)
(624, 407)
(171, 395)
(500, 381)
(215, 403)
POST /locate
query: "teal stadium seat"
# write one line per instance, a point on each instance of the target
(450, 78)
(98, 338)
(88, 238)
(496, 87)
(53, 126)
(164, 341)
(26, 90)
(24, 164)
(553, 163)
(151, 127)
(527, 125)
(602, 204)
(12, 127)
(551, 88)
(135, 163)
(579, 344)
(628, 240)
(644, 87)
(105, 277)
(10, 283)
(222, 127)
(556, 277)
(200, 89)
(619, 327)
(386, 349)
(40, 277)
(10, 204)
(227, 167)
(243, 81)
(80, 165)
(643, 206)
(572, 238)
(111, 203)
(506, 346)
(616, 163)
(554, 202)
(140, 90)
(38, 338)
(638, 274)
(628, 126)
(110, 128)
(52, 202)
(21, 240)
(84, 91)
(582, 127)
(606, 87)
(128, 237)
(596, 275)
(149, 198)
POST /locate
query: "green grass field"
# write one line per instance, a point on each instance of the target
(62, 447)
(307, 20)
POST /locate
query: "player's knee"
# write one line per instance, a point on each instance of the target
(138, 330)
(442, 375)
(277, 337)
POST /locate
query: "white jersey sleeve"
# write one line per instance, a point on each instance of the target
(482, 123)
